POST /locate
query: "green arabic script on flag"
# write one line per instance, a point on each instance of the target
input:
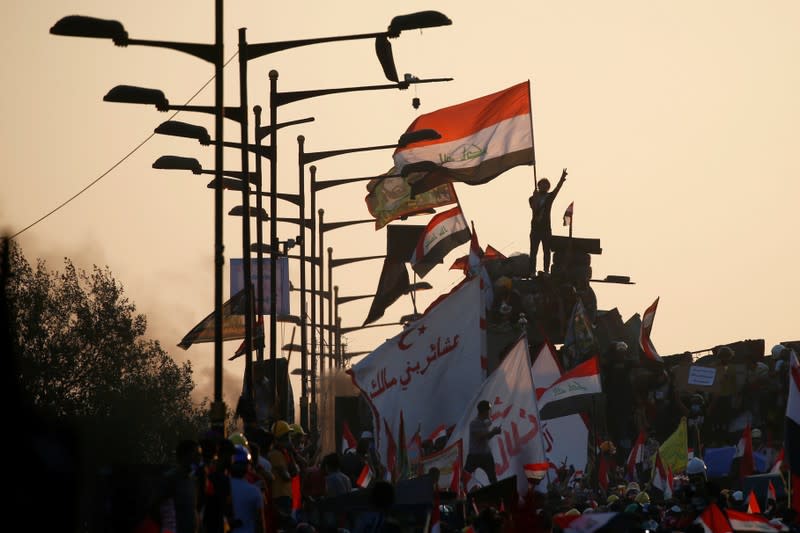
(390, 198)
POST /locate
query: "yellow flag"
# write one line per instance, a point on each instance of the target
(675, 450)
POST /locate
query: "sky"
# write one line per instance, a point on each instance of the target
(677, 122)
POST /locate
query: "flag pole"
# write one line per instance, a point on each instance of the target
(533, 144)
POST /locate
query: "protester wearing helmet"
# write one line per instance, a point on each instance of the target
(283, 469)
(697, 489)
(247, 500)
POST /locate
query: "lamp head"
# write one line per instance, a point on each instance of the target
(183, 129)
(81, 26)
(174, 162)
(128, 94)
(229, 184)
(416, 21)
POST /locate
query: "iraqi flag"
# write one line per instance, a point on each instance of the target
(752, 504)
(573, 392)
(740, 521)
(644, 334)
(365, 477)
(635, 457)
(566, 437)
(443, 233)
(473, 264)
(791, 443)
(713, 520)
(536, 471)
(744, 451)
(568, 214)
(662, 477)
(348, 440)
(480, 139)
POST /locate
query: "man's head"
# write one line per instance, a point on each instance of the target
(544, 184)
(725, 354)
(755, 436)
(484, 408)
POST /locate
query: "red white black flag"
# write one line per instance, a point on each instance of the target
(644, 334)
(443, 233)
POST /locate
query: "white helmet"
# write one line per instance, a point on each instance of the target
(696, 466)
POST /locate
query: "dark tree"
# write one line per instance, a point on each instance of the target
(82, 359)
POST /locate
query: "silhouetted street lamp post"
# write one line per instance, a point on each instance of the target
(81, 26)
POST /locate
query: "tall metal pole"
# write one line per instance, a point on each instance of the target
(331, 350)
(337, 322)
(248, 282)
(259, 235)
(313, 227)
(273, 243)
(321, 321)
(217, 413)
(303, 316)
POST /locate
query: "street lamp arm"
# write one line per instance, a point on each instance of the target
(257, 50)
(264, 131)
(327, 226)
(347, 260)
(83, 26)
(310, 157)
(283, 98)
(289, 197)
(347, 330)
(345, 299)
(319, 185)
(206, 52)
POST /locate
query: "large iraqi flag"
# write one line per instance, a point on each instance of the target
(480, 139)
(430, 370)
(573, 392)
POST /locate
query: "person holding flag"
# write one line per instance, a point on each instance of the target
(541, 202)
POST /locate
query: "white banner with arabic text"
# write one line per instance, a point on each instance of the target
(430, 370)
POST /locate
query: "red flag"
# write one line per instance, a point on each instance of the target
(568, 215)
(297, 495)
(403, 466)
(744, 450)
(436, 517)
(455, 481)
(635, 457)
(713, 520)
(778, 466)
(365, 477)
(771, 492)
(440, 431)
(391, 451)
(536, 470)
(444, 232)
(662, 477)
(602, 473)
(348, 440)
(740, 521)
(644, 334)
(752, 504)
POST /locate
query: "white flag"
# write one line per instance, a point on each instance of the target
(430, 370)
(510, 391)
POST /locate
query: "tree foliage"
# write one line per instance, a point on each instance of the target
(83, 359)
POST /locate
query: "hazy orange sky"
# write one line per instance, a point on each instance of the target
(678, 122)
